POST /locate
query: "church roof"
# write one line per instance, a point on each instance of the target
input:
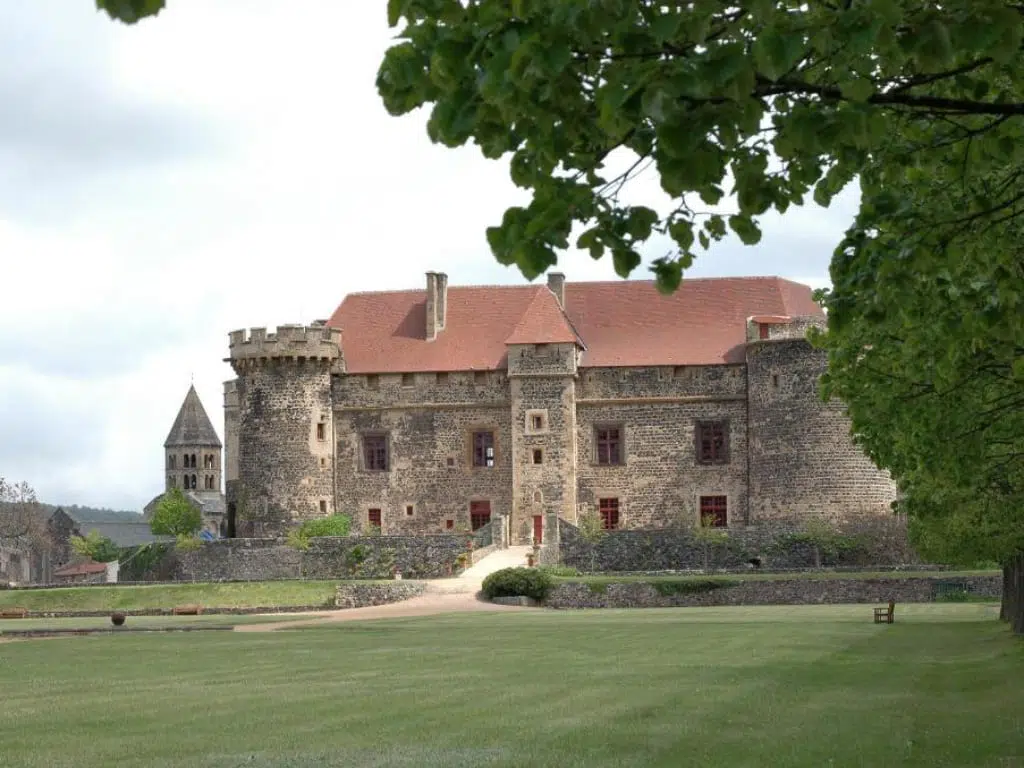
(192, 426)
(617, 323)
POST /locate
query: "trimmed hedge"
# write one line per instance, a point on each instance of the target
(518, 582)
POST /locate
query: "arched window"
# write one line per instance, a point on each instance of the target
(171, 461)
(193, 461)
(184, 461)
(192, 481)
(208, 461)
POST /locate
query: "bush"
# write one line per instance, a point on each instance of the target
(335, 525)
(667, 588)
(518, 582)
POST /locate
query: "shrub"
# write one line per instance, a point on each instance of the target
(95, 546)
(667, 588)
(518, 582)
(334, 525)
(175, 515)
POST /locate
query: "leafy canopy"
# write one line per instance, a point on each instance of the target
(96, 547)
(772, 102)
(175, 515)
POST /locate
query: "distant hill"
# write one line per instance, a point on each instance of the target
(96, 514)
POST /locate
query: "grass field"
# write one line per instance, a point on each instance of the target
(138, 622)
(254, 594)
(765, 686)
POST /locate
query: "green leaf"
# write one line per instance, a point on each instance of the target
(130, 11)
(858, 89)
(746, 229)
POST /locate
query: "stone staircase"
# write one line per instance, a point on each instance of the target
(472, 578)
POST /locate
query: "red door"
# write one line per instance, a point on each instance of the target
(538, 529)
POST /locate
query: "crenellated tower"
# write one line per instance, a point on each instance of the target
(802, 461)
(279, 427)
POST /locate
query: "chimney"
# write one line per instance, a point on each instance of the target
(556, 284)
(437, 303)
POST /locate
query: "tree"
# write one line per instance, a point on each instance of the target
(22, 518)
(926, 347)
(783, 100)
(95, 547)
(593, 532)
(709, 537)
(130, 11)
(176, 516)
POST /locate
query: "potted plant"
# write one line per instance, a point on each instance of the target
(117, 618)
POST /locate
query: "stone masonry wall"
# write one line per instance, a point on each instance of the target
(368, 557)
(657, 410)
(284, 469)
(878, 542)
(918, 589)
(364, 595)
(429, 427)
(542, 385)
(803, 462)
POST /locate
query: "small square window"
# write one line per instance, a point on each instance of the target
(538, 455)
(321, 431)
(373, 517)
(409, 510)
(536, 421)
(763, 330)
(323, 463)
(451, 461)
(408, 379)
(449, 524)
(609, 510)
(372, 381)
(442, 378)
(775, 380)
(323, 507)
(480, 377)
(714, 511)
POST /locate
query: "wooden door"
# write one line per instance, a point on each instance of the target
(538, 529)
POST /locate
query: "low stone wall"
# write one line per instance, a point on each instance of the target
(349, 557)
(869, 542)
(363, 595)
(763, 592)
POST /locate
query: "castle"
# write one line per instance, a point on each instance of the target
(451, 407)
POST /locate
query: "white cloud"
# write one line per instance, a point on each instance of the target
(240, 170)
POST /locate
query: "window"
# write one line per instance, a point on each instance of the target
(323, 462)
(714, 511)
(450, 461)
(449, 523)
(192, 481)
(480, 377)
(442, 378)
(483, 449)
(763, 330)
(712, 442)
(372, 381)
(609, 509)
(538, 455)
(375, 452)
(373, 517)
(479, 514)
(775, 380)
(208, 462)
(172, 461)
(321, 431)
(679, 372)
(608, 441)
(536, 421)
(192, 461)
(410, 510)
(323, 507)
(408, 379)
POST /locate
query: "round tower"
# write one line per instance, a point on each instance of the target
(803, 461)
(281, 422)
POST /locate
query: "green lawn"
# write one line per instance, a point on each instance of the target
(254, 594)
(761, 686)
(139, 622)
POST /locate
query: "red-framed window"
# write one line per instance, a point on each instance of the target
(479, 514)
(609, 509)
(763, 330)
(373, 517)
(375, 452)
(712, 442)
(609, 445)
(483, 449)
(714, 511)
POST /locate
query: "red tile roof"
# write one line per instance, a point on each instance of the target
(81, 569)
(621, 323)
(543, 322)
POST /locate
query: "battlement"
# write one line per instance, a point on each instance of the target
(782, 327)
(289, 342)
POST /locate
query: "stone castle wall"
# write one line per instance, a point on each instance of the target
(803, 462)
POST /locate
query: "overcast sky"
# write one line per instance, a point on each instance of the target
(224, 165)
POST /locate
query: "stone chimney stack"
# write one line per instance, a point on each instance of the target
(437, 303)
(556, 283)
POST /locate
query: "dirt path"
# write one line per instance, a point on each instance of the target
(442, 596)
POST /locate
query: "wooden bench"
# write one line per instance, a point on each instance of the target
(885, 615)
(187, 610)
(13, 613)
